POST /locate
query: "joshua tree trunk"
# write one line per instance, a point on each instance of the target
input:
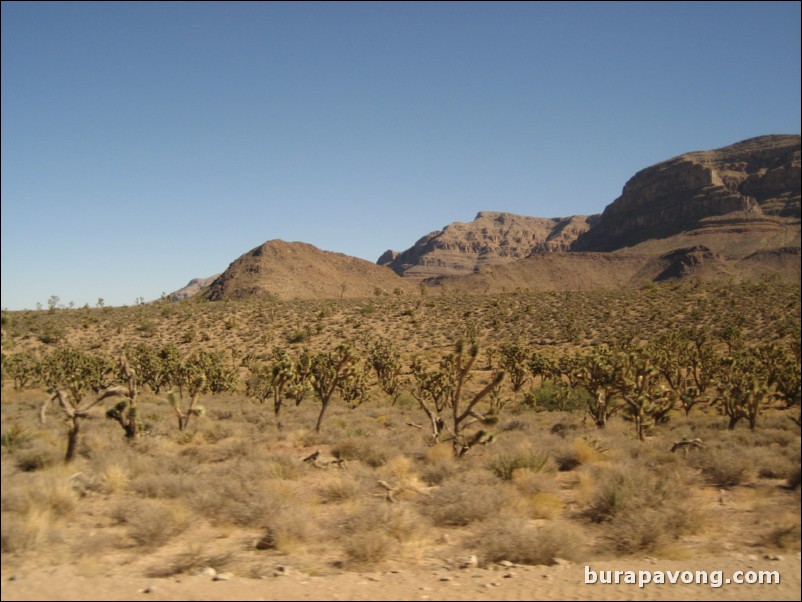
(72, 439)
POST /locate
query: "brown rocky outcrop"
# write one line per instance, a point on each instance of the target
(756, 182)
(296, 270)
(492, 238)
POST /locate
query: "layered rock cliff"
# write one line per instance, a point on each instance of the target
(492, 238)
(756, 183)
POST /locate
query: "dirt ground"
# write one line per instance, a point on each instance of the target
(428, 580)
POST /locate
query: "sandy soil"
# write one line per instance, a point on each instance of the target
(428, 580)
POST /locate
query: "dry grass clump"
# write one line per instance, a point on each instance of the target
(151, 524)
(288, 529)
(22, 532)
(244, 495)
(469, 497)
(338, 488)
(439, 464)
(34, 508)
(506, 462)
(365, 449)
(523, 542)
(374, 531)
(641, 508)
(38, 456)
(586, 450)
(722, 466)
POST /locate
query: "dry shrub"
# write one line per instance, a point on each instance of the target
(642, 508)
(364, 449)
(21, 532)
(289, 528)
(243, 493)
(33, 508)
(369, 547)
(38, 456)
(193, 558)
(469, 499)
(506, 463)
(50, 492)
(795, 480)
(439, 464)
(522, 542)
(374, 530)
(545, 505)
(163, 477)
(722, 466)
(586, 450)
(337, 488)
(152, 524)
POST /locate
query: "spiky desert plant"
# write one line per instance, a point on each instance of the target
(66, 373)
(596, 373)
(385, 359)
(353, 388)
(126, 411)
(270, 380)
(195, 384)
(782, 370)
(155, 367)
(301, 382)
(686, 361)
(22, 368)
(328, 370)
(513, 361)
(542, 366)
(743, 388)
(440, 395)
(639, 384)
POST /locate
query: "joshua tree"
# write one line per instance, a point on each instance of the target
(440, 395)
(126, 411)
(638, 382)
(596, 373)
(67, 375)
(385, 359)
(744, 388)
(270, 381)
(513, 362)
(328, 371)
(686, 361)
(22, 367)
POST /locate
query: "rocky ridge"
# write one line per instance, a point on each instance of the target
(492, 238)
(754, 183)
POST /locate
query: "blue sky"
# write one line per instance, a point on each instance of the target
(144, 144)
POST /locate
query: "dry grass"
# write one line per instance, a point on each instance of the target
(235, 490)
(642, 509)
(522, 542)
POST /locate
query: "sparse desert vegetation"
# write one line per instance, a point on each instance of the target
(521, 427)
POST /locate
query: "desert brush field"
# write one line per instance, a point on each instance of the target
(413, 444)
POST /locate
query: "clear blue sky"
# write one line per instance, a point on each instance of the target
(144, 144)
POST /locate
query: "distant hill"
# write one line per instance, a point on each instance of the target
(730, 213)
(492, 238)
(195, 286)
(296, 270)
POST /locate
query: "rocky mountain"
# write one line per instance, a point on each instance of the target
(193, 287)
(296, 270)
(735, 200)
(492, 238)
(730, 213)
